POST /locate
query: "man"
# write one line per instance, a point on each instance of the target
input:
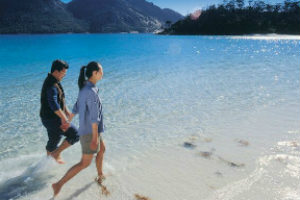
(54, 112)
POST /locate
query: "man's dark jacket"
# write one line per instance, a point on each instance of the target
(46, 112)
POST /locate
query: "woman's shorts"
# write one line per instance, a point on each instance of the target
(85, 141)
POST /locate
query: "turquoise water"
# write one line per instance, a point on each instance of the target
(157, 91)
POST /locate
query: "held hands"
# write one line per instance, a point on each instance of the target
(68, 114)
(65, 124)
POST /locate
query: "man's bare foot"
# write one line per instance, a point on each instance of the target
(57, 158)
(56, 188)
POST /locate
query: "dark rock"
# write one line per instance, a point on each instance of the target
(189, 145)
(232, 164)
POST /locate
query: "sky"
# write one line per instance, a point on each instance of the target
(185, 7)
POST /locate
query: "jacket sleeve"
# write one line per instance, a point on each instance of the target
(52, 98)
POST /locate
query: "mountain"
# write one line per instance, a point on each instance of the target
(122, 15)
(37, 16)
(152, 10)
(53, 16)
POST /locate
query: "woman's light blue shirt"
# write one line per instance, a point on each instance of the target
(89, 108)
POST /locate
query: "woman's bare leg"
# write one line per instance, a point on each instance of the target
(85, 162)
(99, 159)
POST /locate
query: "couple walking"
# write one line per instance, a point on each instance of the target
(57, 118)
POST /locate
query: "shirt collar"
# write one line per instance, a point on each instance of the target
(92, 85)
(52, 78)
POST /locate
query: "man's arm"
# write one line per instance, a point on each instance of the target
(62, 116)
(68, 113)
(53, 103)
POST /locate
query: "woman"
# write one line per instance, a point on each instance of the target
(89, 108)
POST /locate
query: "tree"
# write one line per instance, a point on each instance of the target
(240, 3)
(231, 18)
(168, 23)
(259, 6)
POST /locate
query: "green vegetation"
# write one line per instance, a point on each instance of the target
(235, 17)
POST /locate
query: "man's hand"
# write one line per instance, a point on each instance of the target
(64, 125)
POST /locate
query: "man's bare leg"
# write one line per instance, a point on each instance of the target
(56, 153)
(99, 162)
(85, 162)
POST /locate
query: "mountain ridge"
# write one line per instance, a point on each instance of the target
(80, 16)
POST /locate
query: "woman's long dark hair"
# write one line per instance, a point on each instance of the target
(87, 72)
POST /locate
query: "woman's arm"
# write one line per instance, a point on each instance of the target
(94, 143)
(93, 106)
(74, 111)
(72, 115)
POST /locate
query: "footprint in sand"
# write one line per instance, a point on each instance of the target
(208, 140)
(190, 142)
(219, 174)
(231, 164)
(243, 143)
(205, 154)
(140, 197)
(104, 190)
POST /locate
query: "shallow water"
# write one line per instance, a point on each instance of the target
(235, 98)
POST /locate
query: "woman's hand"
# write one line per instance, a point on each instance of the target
(94, 145)
(71, 116)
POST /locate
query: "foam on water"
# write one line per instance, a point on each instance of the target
(276, 176)
(268, 37)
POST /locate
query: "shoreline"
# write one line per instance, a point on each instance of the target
(267, 36)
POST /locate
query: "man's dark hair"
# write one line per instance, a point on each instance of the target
(59, 65)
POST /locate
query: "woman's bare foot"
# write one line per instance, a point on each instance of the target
(100, 179)
(56, 188)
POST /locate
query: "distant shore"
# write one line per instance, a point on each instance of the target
(236, 17)
(270, 36)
